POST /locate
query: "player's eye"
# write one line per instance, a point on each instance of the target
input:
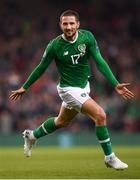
(65, 24)
(72, 23)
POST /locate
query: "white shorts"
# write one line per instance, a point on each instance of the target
(74, 97)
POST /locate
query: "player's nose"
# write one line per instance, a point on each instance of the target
(68, 26)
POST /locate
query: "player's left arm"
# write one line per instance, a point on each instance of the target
(123, 91)
(104, 68)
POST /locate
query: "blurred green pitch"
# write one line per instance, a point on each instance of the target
(65, 163)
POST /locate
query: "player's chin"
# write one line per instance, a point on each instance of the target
(70, 35)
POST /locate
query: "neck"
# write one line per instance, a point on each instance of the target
(71, 39)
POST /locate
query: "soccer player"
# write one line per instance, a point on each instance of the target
(71, 52)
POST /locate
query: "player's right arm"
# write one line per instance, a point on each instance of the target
(36, 73)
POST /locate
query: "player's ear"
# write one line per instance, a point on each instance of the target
(60, 25)
(78, 24)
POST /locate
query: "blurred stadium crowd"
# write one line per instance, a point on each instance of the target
(25, 30)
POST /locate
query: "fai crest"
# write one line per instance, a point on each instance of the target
(82, 48)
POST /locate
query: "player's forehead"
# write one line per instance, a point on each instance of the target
(69, 18)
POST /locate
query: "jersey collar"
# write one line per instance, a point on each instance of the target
(63, 36)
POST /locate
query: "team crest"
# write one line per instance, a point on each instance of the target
(83, 94)
(82, 48)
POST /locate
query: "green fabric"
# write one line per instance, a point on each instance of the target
(101, 64)
(40, 68)
(102, 134)
(107, 148)
(72, 61)
(49, 126)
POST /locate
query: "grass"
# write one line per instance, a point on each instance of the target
(71, 163)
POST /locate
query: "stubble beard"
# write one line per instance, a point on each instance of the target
(70, 37)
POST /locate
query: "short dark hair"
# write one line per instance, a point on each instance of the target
(70, 13)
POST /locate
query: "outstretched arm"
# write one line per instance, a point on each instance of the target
(123, 91)
(100, 62)
(17, 94)
(36, 73)
(106, 71)
(104, 68)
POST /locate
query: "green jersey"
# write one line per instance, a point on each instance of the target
(72, 60)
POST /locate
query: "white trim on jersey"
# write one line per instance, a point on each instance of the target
(63, 36)
(44, 129)
(104, 141)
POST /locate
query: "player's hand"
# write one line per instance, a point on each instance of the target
(15, 95)
(123, 91)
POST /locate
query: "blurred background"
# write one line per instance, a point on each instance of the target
(25, 29)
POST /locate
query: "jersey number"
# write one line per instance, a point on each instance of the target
(75, 58)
